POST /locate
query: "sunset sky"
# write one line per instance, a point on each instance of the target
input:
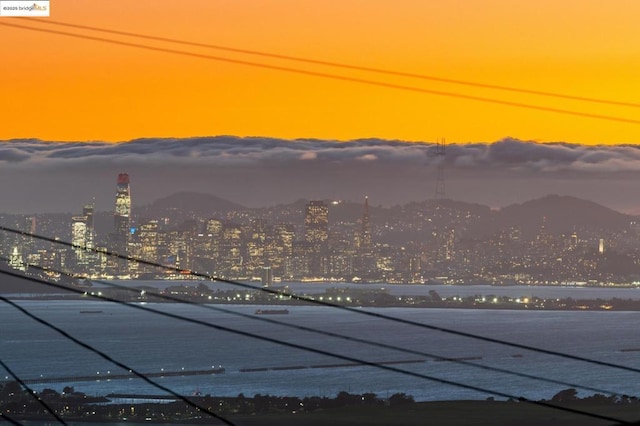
(56, 87)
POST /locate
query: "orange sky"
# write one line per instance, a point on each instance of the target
(60, 88)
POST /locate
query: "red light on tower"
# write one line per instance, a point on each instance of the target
(123, 179)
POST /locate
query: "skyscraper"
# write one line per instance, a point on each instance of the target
(149, 241)
(79, 240)
(29, 243)
(365, 232)
(87, 211)
(364, 263)
(316, 222)
(79, 232)
(82, 240)
(122, 220)
(122, 216)
(316, 236)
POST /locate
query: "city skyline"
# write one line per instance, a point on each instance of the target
(239, 157)
(551, 241)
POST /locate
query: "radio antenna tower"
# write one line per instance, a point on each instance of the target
(440, 152)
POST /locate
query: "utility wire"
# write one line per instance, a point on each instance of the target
(105, 356)
(368, 82)
(286, 344)
(32, 393)
(337, 306)
(339, 336)
(4, 416)
(339, 65)
(337, 77)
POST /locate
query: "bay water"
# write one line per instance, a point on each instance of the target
(151, 343)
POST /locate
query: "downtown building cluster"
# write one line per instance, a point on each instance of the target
(236, 248)
(256, 249)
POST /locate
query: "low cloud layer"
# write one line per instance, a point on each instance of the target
(507, 154)
(58, 176)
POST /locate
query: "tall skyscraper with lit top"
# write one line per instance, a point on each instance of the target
(122, 219)
(122, 216)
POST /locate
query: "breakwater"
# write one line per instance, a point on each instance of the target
(122, 376)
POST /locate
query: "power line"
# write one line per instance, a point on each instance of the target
(107, 357)
(4, 416)
(341, 65)
(32, 393)
(286, 344)
(336, 306)
(399, 87)
(340, 77)
(337, 335)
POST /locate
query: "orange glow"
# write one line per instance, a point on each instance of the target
(56, 87)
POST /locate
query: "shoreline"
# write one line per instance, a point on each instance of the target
(375, 298)
(345, 410)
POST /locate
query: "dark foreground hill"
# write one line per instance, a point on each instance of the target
(565, 408)
(450, 413)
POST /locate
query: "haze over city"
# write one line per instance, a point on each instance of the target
(261, 171)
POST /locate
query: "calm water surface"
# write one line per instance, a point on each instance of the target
(151, 343)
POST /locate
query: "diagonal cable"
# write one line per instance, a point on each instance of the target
(342, 307)
(337, 335)
(4, 416)
(338, 77)
(339, 65)
(110, 359)
(286, 344)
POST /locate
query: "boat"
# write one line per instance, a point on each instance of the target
(272, 312)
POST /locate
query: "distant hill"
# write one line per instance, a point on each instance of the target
(561, 214)
(412, 220)
(190, 203)
(343, 211)
(352, 211)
